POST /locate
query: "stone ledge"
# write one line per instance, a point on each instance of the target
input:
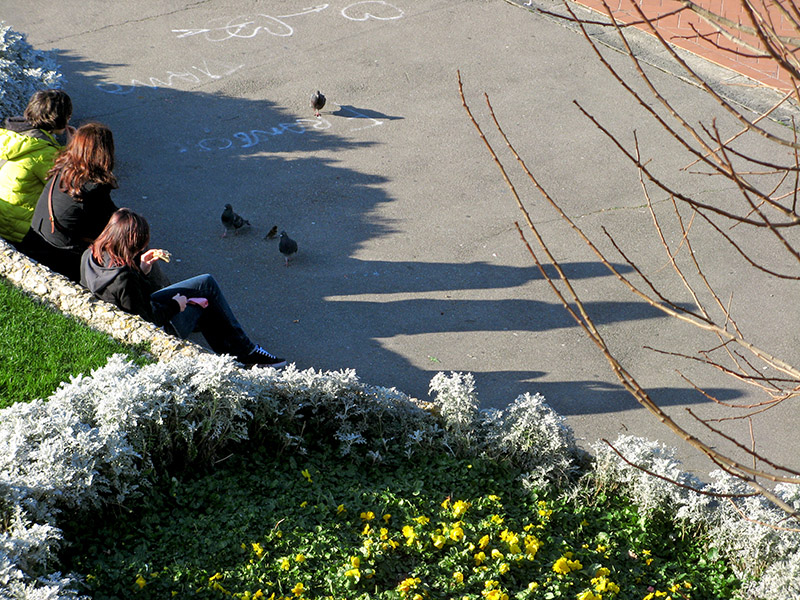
(77, 302)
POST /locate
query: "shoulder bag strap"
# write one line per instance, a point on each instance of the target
(50, 206)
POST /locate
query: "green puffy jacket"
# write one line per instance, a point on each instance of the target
(26, 155)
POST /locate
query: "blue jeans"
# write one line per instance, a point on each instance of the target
(217, 322)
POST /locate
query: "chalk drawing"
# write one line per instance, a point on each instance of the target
(253, 137)
(248, 139)
(249, 26)
(195, 74)
(362, 11)
(358, 115)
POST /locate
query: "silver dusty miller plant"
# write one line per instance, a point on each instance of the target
(23, 70)
(749, 531)
(528, 432)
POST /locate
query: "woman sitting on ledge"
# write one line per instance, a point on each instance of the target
(115, 266)
(75, 204)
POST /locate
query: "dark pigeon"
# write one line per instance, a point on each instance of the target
(232, 221)
(317, 102)
(287, 246)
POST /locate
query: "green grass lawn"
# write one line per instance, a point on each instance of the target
(40, 348)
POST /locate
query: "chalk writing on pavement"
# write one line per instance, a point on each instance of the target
(253, 137)
(195, 74)
(249, 26)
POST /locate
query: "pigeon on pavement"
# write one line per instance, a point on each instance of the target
(287, 246)
(317, 102)
(232, 221)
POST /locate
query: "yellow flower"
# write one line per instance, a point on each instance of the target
(353, 573)
(306, 474)
(456, 533)
(460, 507)
(355, 561)
(480, 558)
(458, 576)
(496, 554)
(340, 509)
(386, 518)
(422, 520)
(301, 558)
(484, 541)
(602, 584)
(408, 584)
(367, 516)
(533, 585)
(285, 564)
(141, 581)
(494, 497)
(504, 568)
(602, 572)
(446, 503)
(303, 504)
(258, 549)
(438, 541)
(258, 595)
(496, 519)
(215, 577)
(298, 589)
(367, 529)
(564, 565)
(588, 595)
(410, 534)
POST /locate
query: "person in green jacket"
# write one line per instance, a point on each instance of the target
(28, 149)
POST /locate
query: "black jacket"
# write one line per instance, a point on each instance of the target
(127, 288)
(59, 243)
(77, 222)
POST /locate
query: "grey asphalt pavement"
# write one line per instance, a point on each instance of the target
(409, 261)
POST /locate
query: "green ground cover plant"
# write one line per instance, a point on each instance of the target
(40, 348)
(267, 526)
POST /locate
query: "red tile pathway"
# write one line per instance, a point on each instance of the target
(681, 29)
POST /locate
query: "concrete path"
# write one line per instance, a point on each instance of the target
(409, 259)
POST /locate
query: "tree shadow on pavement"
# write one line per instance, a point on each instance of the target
(183, 153)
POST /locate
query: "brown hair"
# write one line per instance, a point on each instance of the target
(124, 238)
(89, 156)
(49, 110)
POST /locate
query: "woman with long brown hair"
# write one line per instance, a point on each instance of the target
(75, 204)
(115, 268)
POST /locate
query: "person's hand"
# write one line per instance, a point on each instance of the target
(146, 261)
(181, 300)
(201, 302)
